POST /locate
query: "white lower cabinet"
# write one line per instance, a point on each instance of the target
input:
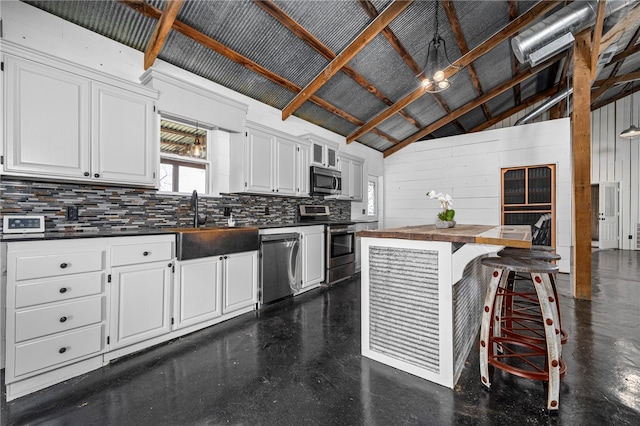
(240, 281)
(313, 247)
(198, 293)
(140, 303)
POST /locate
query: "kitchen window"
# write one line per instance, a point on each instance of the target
(372, 197)
(184, 164)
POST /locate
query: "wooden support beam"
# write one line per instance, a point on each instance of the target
(597, 35)
(512, 8)
(512, 28)
(372, 30)
(160, 33)
(630, 19)
(581, 149)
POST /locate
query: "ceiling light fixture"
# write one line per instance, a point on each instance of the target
(196, 150)
(632, 131)
(433, 78)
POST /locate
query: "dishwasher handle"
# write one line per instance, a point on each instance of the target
(280, 237)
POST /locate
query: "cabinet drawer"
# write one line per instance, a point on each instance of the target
(38, 322)
(59, 289)
(57, 349)
(130, 254)
(52, 265)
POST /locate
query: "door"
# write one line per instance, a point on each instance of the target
(285, 168)
(313, 256)
(140, 303)
(259, 161)
(240, 280)
(198, 291)
(608, 215)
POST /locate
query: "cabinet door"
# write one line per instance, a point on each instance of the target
(344, 165)
(313, 243)
(318, 154)
(303, 172)
(240, 281)
(198, 291)
(357, 181)
(140, 303)
(259, 161)
(332, 159)
(285, 166)
(47, 120)
(124, 147)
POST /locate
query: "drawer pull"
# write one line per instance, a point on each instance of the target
(64, 265)
(63, 290)
(63, 319)
(146, 253)
(62, 350)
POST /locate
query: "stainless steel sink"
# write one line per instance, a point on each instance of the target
(194, 243)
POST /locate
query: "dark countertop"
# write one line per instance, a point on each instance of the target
(508, 235)
(130, 232)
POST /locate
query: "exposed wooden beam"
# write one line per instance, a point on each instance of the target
(597, 35)
(622, 94)
(581, 158)
(624, 78)
(150, 11)
(288, 22)
(630, 19)
(626, 53)
(512, 9)
(471, 105)
(513, 27)
(456, 28)
(163, 26)
(372, 30)
(523, 105)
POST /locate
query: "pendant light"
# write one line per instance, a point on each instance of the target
(196, 150)
(433, 78)
(632, 131)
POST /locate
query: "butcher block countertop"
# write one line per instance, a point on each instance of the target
(507, 235)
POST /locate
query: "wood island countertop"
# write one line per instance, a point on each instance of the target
(506, 235)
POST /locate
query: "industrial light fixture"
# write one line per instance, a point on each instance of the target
(196, 150)
(433, 78)
(632, 131)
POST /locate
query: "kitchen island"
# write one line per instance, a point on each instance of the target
(422, 294)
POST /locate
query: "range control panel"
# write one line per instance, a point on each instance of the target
(13, 224)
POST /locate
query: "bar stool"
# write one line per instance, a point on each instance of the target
(502, 348)
(527, 309)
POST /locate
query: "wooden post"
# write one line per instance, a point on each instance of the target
(581, 147)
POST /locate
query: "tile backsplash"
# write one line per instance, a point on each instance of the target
(119, 208)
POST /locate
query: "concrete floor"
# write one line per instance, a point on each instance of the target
(298, 363)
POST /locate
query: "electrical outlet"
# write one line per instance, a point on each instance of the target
(363, 211)
(631, 237)
(72, 213)
(266, 210)
(227, 211)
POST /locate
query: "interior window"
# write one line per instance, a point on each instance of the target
(372, 198)
(184, 164)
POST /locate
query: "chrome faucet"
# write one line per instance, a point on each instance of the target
(197, 219)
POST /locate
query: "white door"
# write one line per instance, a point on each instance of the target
(198, 291)
(313, 256)
(240, 281)
(286, 154)
(608, 215)
(259, 161)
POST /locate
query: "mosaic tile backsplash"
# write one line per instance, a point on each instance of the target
(103, 208)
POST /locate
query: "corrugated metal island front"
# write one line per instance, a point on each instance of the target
(422, 294)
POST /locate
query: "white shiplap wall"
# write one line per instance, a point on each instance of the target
(468, 167)
(614, 159)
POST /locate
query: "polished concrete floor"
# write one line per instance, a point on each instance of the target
(298, 363)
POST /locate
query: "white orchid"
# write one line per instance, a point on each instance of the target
(445, 202)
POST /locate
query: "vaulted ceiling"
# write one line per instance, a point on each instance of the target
(354, 66)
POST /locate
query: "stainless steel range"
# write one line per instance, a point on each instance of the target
(340, 256)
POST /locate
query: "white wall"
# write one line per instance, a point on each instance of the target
(468, 167)
(31, 27)
(614, 159)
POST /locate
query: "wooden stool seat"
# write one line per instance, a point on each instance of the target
(504, 344)
(546, 256)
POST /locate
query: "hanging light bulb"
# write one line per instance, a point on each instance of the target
(433, 76)
(632, 131)
(196, 150)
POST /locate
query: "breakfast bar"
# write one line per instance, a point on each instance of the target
(422, 294)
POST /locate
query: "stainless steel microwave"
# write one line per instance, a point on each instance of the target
(325, 181)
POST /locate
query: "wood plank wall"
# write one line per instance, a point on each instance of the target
(468, 167)
(614, 159)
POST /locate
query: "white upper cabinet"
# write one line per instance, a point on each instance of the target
(266, 161)
(324, 153)
(352, 169)
(67, 122)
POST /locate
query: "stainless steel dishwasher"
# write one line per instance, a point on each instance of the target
(279, 266)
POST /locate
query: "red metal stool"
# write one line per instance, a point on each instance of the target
(508, 350)
(525, 304)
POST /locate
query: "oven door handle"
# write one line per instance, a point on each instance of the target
(336, 184)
